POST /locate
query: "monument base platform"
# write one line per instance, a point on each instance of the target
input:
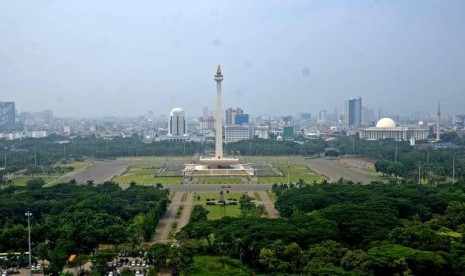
(205, 170)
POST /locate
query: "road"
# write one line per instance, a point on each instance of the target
(186, 212)
(269, 205)
(217, 187)
(334, 170)
(164, 225)
(100, 171)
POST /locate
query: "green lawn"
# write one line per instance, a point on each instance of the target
(272, 196)
(215, 196)
(217, 211)
(217, 265)
(21, 181)
(76, 165)
(145, 174)
(293, 172)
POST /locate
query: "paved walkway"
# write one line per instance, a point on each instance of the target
(269, 205)
(186, 212)
(164, 226)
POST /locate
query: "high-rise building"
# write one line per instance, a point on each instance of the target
(305, 116)
(205, 112)
(48, 116)
(208, 123)
(236, 133)
(177, 126)
(263, 132)
(241, 119)
(353, 112)
(7, 115)
(321, 116)
(231, 114)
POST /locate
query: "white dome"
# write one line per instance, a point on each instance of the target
(386, 123)
(420, 123)
(176, 110)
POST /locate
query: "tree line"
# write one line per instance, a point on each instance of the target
(393, 158)
(345, 229)
(75, 219)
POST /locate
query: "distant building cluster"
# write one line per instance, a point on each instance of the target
(356, 119)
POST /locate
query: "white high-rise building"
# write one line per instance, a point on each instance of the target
(177, 126)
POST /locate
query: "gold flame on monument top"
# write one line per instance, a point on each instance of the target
(218, 71)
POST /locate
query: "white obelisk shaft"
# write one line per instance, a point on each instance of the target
(219, 117)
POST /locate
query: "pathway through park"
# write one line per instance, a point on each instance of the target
(164, 225)
(269, 205)
(186, 212)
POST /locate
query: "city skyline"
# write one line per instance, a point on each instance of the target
(92, 59)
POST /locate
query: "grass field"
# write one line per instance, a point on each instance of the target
(215, 196)
(293, 172)
(272, 196)
(217, 211)
(21, 181)
(76, 165)
(216, 265)
(145, 174)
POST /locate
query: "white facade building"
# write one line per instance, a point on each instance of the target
(262, 132)
(177, 125)
(386, 128)
(236, 133)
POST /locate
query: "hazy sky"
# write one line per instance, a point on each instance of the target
(93, 58)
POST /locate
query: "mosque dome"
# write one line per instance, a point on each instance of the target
(420, 123)
(386, 123)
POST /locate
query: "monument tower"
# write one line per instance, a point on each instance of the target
(219, 119)
(218, 165)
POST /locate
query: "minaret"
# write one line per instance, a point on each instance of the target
(219, 119)
(437, 122)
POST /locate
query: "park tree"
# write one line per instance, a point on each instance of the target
(100, 259)
(180, 259)
(331, 153)
(198, 214)
(157, 254)
(357, 260)
(35, 183)
(455, 213)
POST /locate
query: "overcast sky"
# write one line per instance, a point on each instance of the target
(124, 58)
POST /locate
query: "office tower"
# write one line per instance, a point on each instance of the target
(231, 114)
(241, 119)
(353, 112)
(177, 125)
(205, 113)
(7, 115)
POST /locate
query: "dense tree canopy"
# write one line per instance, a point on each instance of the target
(341, 229)
(71, 218)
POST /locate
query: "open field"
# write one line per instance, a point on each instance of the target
(293, 172)
(143, 170)
(21, 181)
(334, 169)
(218, 211)
(75, 164)
(146, 174)
(200, 198)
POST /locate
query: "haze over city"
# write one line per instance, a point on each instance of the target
(123, 58)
